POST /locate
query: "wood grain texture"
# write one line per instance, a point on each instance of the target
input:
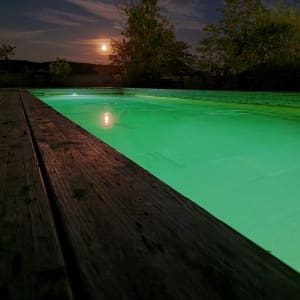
(134, 237)
(31, 263)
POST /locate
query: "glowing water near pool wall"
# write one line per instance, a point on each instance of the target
(239, 162)
(74, 91)
(268, 98)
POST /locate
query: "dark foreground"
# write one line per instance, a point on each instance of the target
(80, 221)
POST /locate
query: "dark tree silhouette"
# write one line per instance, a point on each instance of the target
(249, 35)
(148, 46)
(6, 51)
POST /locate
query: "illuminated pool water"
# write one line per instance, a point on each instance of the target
(240, 162)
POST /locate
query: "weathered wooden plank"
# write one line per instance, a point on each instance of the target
(133, 237)
(31, 262)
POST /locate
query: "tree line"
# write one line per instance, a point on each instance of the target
(247, 36)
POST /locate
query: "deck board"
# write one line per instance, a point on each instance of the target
(31, 262)
(133, 237)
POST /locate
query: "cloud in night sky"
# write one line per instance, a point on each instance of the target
(62, 18)
(188, 8)
(20, 34)
(188, 14)
(98, 8)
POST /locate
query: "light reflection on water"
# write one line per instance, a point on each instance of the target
(106, 119)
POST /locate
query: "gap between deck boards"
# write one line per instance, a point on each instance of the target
(79, 291)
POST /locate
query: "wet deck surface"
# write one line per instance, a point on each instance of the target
(80, 221)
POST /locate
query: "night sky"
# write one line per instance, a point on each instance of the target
(41, 30)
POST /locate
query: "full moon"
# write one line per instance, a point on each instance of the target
(104, 47)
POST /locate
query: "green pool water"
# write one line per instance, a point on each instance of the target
(240, 162)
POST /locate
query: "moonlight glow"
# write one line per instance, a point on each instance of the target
(104, 47)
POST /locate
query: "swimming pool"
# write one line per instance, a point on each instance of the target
(240, 162)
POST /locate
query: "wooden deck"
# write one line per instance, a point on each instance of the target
(80, 221)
